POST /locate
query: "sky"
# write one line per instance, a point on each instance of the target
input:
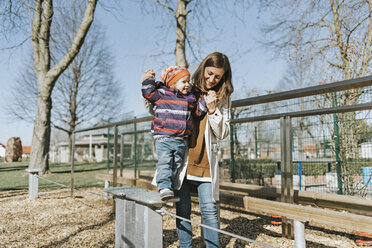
(135, 37)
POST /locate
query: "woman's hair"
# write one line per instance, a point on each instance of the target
(224, 88)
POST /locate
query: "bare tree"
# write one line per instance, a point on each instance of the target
(46, 73)
(85, 92)
(335, 34)
(180, 14)
(186, 22)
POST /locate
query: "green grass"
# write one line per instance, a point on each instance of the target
(13, 175)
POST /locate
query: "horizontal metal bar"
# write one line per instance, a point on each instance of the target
(341, 109)
(138, 131)
(308, 91)
(121, 123)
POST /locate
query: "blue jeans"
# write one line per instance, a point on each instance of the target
(208, 209)
(170, 152)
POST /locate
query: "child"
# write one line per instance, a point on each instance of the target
(174, 107)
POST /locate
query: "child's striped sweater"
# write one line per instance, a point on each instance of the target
(173, 111)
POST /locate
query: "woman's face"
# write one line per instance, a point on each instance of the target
(212, 76)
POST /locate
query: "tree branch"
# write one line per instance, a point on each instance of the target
(77, 42)
(166, 6)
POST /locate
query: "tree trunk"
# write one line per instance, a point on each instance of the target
(69, 146)
(41, 134)
(40, 36)
(181, 16)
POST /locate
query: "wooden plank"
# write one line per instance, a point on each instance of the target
(341, 202)
(314, 216)
(121, 180)
(141, 183)
(352, 204)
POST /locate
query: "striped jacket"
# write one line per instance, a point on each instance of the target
(173, 111)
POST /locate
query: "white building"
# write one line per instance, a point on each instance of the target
(2, 150)
(365, 150)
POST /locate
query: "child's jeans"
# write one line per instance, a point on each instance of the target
(170, 152)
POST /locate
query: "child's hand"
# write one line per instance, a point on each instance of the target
(148, 74)
(211, 101)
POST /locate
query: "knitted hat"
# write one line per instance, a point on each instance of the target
(172, 74)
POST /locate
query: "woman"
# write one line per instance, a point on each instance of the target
(211, 81)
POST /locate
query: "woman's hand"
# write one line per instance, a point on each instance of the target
(211, 101)
(148, 74)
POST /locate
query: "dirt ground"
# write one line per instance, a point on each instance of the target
(57, 220)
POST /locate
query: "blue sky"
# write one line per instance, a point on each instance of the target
(132, 40)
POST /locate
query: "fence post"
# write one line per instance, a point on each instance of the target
(33, 183)
(232, 158)
(286, 171)
(299, 234)
(135, 151)
(137, 224)
(72, 164)
(299, 172)
(121, 154)
(106, 186)
(255, 142)
(337, 145)
(115, 158)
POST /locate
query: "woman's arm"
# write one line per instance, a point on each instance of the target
(219, 121)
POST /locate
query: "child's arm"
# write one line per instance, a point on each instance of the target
(147, 75)
(149, 90)
(200, 108)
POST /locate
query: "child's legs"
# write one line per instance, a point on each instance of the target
(170, 154)
(179, 153)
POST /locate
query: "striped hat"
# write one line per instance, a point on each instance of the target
(172, 74)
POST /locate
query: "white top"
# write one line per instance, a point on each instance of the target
(199, 179)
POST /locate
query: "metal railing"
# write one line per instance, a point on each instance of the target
(270, 98)
(285, 130)
(285, 117)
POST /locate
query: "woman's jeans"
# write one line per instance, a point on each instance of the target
(208, 209)
(170, 152)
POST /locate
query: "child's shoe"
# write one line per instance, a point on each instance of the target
(166, 194)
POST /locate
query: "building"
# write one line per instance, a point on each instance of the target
(365, 150)
(2, 150)
(26, 151)
(92, 147)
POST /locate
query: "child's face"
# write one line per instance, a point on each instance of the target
(183, 85)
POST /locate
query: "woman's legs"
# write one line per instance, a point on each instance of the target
(183, 209)
(208, 209)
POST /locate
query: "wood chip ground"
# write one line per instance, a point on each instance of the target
(57, 220)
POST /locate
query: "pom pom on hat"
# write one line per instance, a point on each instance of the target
(172, 74)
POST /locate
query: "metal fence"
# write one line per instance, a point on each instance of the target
(321, 134)
(329, 138)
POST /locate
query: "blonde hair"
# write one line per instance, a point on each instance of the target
(224, 88)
